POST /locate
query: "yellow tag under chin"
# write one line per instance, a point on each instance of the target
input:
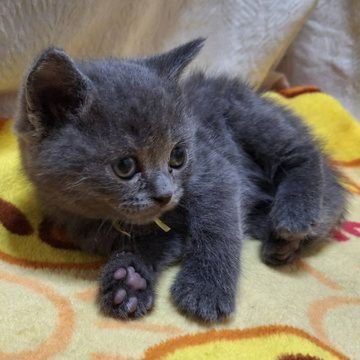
(162, 225)
(158, 222)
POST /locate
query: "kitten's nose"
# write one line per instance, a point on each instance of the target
(163, 199)
(162, 188)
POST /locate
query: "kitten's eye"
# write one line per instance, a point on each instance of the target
(125, 168)
(177, 157)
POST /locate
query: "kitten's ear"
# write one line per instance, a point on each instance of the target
(172, 63)
(54, 89)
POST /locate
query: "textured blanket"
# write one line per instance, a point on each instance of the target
(307, 311)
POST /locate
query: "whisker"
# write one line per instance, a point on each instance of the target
(99, 228)
(76, 183)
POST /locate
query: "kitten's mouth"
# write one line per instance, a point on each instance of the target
(147, 215)
(143, 213)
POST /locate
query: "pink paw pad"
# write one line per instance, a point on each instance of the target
(133, 281)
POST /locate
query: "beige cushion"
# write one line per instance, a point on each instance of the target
(245, 37)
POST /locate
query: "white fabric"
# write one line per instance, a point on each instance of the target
(245, 37)
(327, 52)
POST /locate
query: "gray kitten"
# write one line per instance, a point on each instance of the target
(113, 145)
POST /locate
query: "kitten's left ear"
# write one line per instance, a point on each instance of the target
(172, 63)
(54, 89)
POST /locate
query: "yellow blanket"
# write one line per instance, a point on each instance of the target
(308, 311)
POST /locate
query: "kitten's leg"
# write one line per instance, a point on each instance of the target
(296, 209)
(281, 250)
(284, 247)
(282, 146)
(274, 250)
(127, 280)
(206, 285)
(126, 286)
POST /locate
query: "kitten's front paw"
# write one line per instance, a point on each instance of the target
(201, 299)
(126, 287)
(294, 217)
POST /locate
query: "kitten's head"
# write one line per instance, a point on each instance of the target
(108, 139)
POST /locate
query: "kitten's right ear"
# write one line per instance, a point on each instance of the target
(172, 63)
(54, 89)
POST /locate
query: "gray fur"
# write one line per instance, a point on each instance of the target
(251, 168)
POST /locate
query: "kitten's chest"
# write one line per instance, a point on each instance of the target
(156, 243)
(173, 223)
